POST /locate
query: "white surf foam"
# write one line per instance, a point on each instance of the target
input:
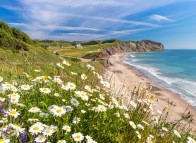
(184, 87)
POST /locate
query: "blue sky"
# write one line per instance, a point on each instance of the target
(171, 22)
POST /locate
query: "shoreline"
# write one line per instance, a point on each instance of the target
(124, 74)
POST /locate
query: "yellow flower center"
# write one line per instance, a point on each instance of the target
(47, 131)
(58, 110)
(13, 112)
(40, 139)
(78, 136)
(36, 128)
(2, 140)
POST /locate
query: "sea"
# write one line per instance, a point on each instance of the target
(173, 69)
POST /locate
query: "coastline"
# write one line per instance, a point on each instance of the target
(123, 74)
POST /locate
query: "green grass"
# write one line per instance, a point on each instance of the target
(71, 51)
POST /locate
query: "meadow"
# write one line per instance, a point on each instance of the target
(73, 103)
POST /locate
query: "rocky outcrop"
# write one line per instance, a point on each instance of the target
(130, 46)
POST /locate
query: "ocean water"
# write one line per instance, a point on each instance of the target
(172, 69)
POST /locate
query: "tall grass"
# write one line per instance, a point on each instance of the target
(74, 104)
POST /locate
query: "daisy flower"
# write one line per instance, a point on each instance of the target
(139, 126)
(48, 132)
(45, 90)
(78, 137)
(83, 77)
(60, 65)
(61, 141)
(74, 102)
(105, 84)
(76, 120)
(66, 63)
(177, 133)
(71, 86)
(14, 97)
(34, 110)
(36, 128)
(25, 87)
(40, 139)
(132, 124)
(17, 128)
(3, 140)
(66, 128)
(13, 112)
(57, 111)
(101, 108)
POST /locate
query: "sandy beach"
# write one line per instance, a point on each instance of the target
(122, 74)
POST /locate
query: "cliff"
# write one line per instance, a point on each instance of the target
(130, 46)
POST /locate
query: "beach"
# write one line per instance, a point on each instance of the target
(122, 74)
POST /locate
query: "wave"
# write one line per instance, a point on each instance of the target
(133, 56)
(183, 87)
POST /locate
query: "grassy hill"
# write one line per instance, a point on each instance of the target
(18, 51)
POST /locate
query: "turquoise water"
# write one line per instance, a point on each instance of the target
(172, 69)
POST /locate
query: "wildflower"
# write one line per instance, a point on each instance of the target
(57, 111)
(73, 73)
(140, 127)
(17, 129)
(4, 128)
(66, 63)
(164, 129)
(36, 128)
(177, 133)
(83, 77)
(65, 87)
(132, 124)
(138, 135)
(14, 97)
(43, 115)
(48, 132)
(82, 95)
(66, 128)
(3, 140)
(101, 108)
(117, 114)
(102, 96)
(13, 112)
(74, 102)
(57, 95)
(33, 120)
(68, 108)
(105, 84)
(133, 104)
(71, 86)
(45, 90)
(57, 79)
(78, 137)
(40, 139)
(59, 65)
(83, 111)
(61, 141)
(88, 88)
(90, 67)
(25, 87)
(126, 115)
(1, 78)
(149, 140)
(190, 140)
(4, 120)
(34, 110)
(76, 120)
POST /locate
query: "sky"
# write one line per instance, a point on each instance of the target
(171, 22)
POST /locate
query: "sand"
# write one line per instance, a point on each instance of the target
(121, 74)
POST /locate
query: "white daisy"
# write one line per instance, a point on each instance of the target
(13, 112)
(48, 132)
(74, 102)
(45, 90)
(177, 133)
(36, 128)
(132, 124)
(66, 128)
(40, 139)
(78, 137)
(25, 87)
(3, 140)
(83, 77)
(34, 110)
(101, 108)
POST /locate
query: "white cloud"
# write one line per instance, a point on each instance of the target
(102, 18)
(159, 18)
